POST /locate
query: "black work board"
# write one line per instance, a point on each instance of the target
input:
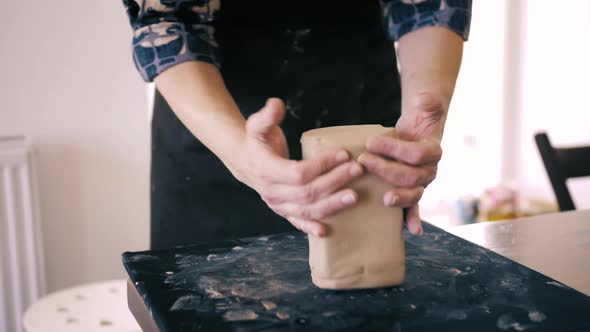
(264, 284)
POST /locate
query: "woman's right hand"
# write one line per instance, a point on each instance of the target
(303, 192)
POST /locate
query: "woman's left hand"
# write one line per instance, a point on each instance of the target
(409, 161)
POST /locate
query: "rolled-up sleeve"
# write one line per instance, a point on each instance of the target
(403, 16)
(169, 32)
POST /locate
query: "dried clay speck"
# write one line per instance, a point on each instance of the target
(282, 315)
(269, 305)
(240, 315)
(238, 292)
(213, 293)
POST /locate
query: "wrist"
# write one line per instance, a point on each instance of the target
(435, 103)
(423, 115)
(233, 155)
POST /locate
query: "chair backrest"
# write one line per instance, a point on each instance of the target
(562, 164)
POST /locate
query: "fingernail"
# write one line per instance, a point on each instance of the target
(390, 199)
(413, 229)
(356, 170)
(348, 198)
(342, 156)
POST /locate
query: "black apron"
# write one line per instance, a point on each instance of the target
(330, 67)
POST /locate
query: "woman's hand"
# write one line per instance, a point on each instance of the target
(303, 192)
(430, 58)
(409, 161)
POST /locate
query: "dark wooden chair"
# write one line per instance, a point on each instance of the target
(561, 164)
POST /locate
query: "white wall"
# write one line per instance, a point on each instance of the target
(68, 82)
(555, 89)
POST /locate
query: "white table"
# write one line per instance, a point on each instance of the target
(556, 244)
(92, 307)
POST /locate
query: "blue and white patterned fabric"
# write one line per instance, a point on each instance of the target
(169, 32)
(403, 16)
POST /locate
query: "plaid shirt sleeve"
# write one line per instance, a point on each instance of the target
(169, 32)
(403, 16)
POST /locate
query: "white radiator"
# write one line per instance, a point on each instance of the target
(22, 277)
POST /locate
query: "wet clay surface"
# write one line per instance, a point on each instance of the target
(263, 284)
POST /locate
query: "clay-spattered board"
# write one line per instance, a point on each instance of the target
(263, 284)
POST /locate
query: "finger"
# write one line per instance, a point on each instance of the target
(309, 226)
(323, 208)
(403, 197)
(414, 153)
(413, 220)
(320, 187)
(302, 172)
(396, 173)
(260, 123)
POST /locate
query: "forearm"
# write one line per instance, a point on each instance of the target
(197, 94)
(430, 59)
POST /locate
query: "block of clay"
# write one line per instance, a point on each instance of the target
(364, 247)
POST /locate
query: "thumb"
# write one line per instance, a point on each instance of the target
(262, 122)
